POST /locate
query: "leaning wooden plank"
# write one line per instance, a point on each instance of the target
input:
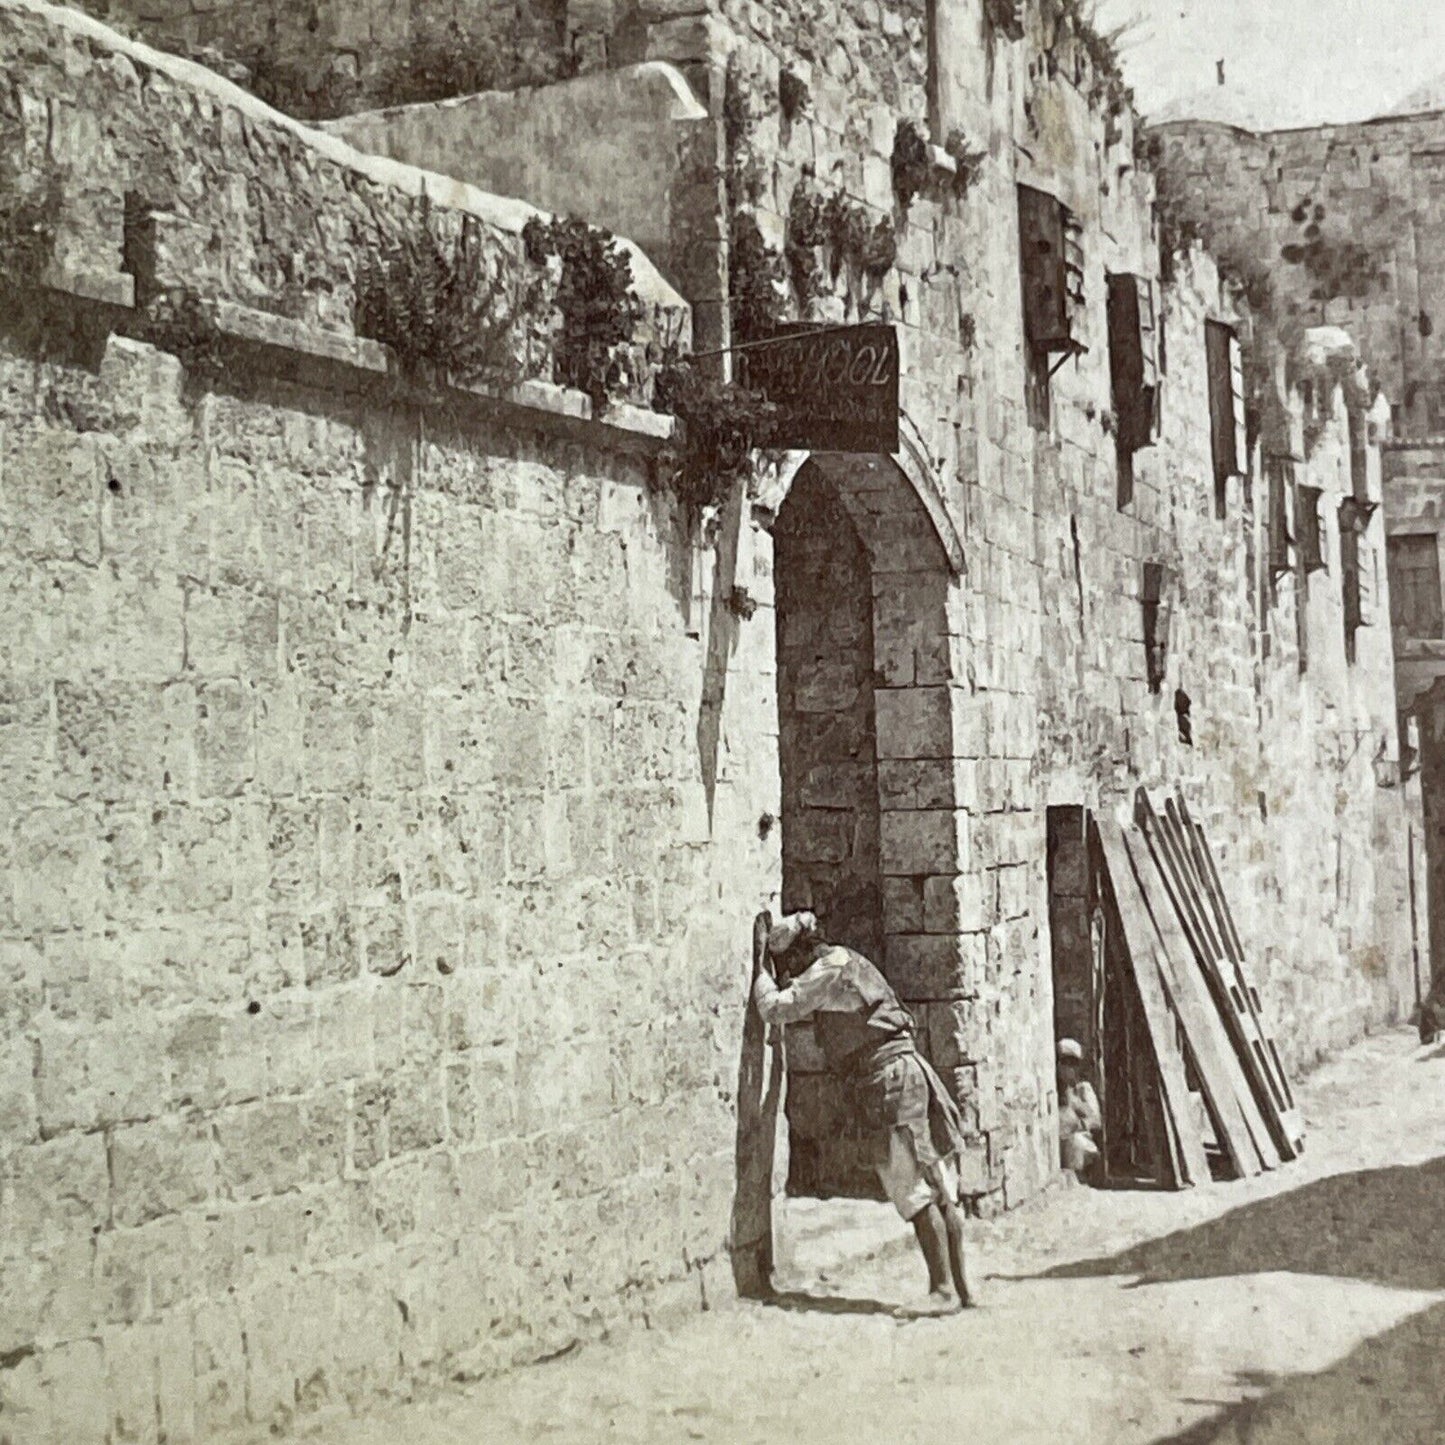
(1183, 884)
(1141, 945)
(1204, 930)
(1242, 1134)
(1270, 1060)
(1210, 870)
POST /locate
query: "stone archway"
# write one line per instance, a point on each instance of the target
(875, 776)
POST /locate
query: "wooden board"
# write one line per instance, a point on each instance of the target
(1241, 1132)
(1270, 1063)
(1203, 929)
(1187, 1161)
(760, 1085)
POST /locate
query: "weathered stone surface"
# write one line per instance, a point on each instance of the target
(387, 793)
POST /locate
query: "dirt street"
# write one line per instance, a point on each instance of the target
(1305, 1306)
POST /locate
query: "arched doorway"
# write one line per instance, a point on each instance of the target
(874, 769)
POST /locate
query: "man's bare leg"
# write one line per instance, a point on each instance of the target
(953, 1223)
(932, 1232)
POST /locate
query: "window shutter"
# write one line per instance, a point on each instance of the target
(1134, 359)
(1359, 458)
(1236, 392)
(1224, 434)
(1350, 577)
(1309, 529)
(1415, 592)
(1051, 263)
(1281, 489)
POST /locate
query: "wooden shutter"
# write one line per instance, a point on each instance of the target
(1226, 407)
(1309, 529)
(1359, 458)
(1350, 579)
(1134, 359)
(1051, 264)
(1281, 489)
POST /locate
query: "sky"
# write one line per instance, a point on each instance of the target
(1286, 62)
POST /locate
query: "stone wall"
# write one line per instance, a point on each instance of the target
(1346, 221)
(1021, 683)
(360, 821)
(434, 736)
(1415, 507)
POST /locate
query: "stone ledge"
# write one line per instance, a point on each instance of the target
(246, 323)
(112, 288)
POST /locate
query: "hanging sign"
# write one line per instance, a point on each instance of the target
(835, 387)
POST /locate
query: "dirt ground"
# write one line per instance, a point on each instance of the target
(1305, 1306)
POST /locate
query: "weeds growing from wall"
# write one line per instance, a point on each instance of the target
(29, 218)
(911, 165)
(598, 309)
(439, 306)
(757, 302)
(724, 427)
(178, 322)
(967, 164)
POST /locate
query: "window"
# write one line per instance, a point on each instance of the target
(1226, 408)
(1309, 530)
(1280, 478)
(1414, 569)
(1133, 371)
(1051, 268)
(1359, 582)
(1052, 262)
(1359, 457)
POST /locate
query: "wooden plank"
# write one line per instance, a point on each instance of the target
(760, 1080)
(1213, 956)
(1141, 945)
(1231, 1104)
(1245, 1039)
(1269, 1059)
(1210, 870)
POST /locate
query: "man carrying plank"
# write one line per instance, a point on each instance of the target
(913, 1125)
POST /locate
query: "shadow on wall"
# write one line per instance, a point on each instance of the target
(1378, 1225)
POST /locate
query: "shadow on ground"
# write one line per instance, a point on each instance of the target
(1381, 1225)
(801, 1302)
(1384, 1226)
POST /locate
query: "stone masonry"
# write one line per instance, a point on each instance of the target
(392, 785)
(1346, 220)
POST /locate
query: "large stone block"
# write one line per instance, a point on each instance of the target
(914, 722)
(935, 966)
(160, 1168)
(923, 842)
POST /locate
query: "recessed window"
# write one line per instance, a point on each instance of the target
(1414, 568)
(1226, 409)
(1051, 268)
(1133, 371)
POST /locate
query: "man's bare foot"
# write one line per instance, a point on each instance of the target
(939, 1302)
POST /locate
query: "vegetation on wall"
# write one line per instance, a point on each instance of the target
(29, 216)
(1337, 266)
(967, 163)
(594, 299)
(438, 305)
(911, 164)
(916, 173)
(756, 269)
(794, 97)
(178, 322)
(724, 426)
